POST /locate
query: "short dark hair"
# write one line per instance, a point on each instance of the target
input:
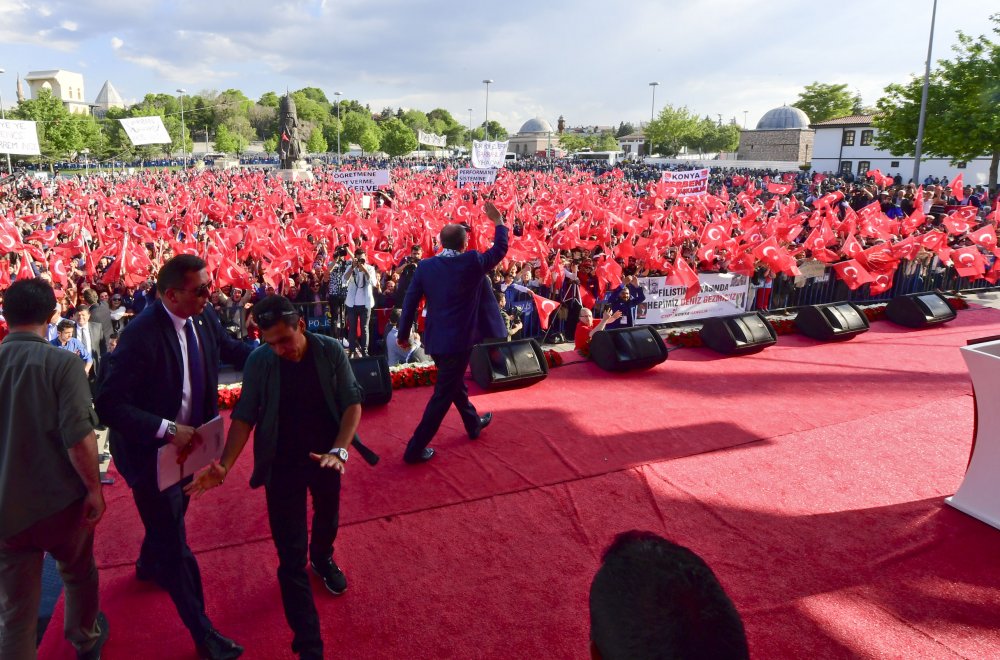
(272, 309)
(453, 236)
(65, 324)
(82, 308)
(90, 296)
(394, 315)
(29, 302)
(652, 598)
(175, 271)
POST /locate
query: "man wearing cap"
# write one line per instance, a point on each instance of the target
(461, 311)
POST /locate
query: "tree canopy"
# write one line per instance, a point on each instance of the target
(822, 101)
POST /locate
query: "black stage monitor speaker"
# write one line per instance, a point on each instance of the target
(508, 364)
(622, 349)
(372, 373)
(738, 334)
(919, 310)
(840, 320)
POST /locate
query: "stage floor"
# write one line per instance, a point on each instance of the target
(810, 476)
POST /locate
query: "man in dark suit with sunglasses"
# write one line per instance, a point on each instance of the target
(161, 384)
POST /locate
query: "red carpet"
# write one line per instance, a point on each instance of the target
(810, 476)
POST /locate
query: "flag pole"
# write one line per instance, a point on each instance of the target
(923, 102)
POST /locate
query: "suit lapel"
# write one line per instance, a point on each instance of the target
(170, 336)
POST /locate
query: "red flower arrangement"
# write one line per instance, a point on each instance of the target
(229, 395)
(413, 375)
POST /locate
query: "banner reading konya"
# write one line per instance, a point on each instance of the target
(477, 176)
(489, 154)
(720, 295)
(682, 184)
(363, 180)
(432, 139)
(19, 137)
(146, 130)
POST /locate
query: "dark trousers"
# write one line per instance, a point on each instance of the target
(449, 389)
(286, 511)
(166, 551)
(337, 316)
(353, 314)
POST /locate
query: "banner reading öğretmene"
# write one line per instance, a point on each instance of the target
(477, 176)
(146, 130)
(690, 182)
(720, 295)
(489, 154)
(362, 180)
(19, 137)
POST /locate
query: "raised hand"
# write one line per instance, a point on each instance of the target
(493, 214)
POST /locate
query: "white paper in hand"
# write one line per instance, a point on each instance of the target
(169, 471)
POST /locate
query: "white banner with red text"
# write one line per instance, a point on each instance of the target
(720, 295)
(362, 180)
(690, 182)
(489, 154)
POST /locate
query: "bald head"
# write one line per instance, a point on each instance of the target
(454, 237)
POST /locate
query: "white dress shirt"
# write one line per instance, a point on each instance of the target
(185, 411)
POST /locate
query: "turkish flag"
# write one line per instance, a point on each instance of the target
(545, 309)
(24, 271)
(779, 188)
(683, 275)
(881, 283)
(739, 180)
(853, 273)
(851, 248)
(956, 188)
(957, 225)
(232, 274)
(968, 262)
(788, 177)
(985, 236)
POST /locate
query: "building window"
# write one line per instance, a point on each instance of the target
(866, 138)
(848, 138)
(846, 166)
(894, 163)
(864, 166)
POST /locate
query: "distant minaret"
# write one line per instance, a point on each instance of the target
(20, 89)
(561, 124)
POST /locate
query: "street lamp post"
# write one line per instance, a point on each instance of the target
(923, 102)
(652, 112)
(182, 92)
(86, 161)
(3, 116)
(340, 129)
(486, 126)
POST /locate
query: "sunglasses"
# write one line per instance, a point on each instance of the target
(270, 318)
(202, 292)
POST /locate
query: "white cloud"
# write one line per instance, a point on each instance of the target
(69, 26)
(116, 43)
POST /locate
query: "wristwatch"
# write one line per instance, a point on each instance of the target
(171, 428)
(340, 453)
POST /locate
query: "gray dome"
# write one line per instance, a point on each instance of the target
(536, 125)
(784, 117)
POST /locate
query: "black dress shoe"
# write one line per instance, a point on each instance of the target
(484, 421)
(426, 455)
(217, 647)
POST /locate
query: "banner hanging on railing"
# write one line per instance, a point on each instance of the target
(720, 295)
(432, 139)
(489, 154)
(146, 130)
(690, 182)
(477, 176)
(19, 137)
(362, 180)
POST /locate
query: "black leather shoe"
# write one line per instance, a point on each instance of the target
(217, 647)
(94, 652)
(484, 421)
(425, 456)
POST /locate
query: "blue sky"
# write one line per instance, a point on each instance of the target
(587, 60)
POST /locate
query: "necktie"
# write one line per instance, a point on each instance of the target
(197, 375)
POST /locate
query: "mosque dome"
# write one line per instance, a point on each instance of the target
(536, 125)
(781, 118)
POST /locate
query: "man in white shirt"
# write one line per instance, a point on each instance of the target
(361, 281)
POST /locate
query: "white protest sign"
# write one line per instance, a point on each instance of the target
(432, 139)
(363, 180)
(146, 130)
(489, 154)
(19, 137)
(476, 176)
(720, 295)
(682, 184)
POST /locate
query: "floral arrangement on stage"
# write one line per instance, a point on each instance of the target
(229, 395)
(413, 375)
(785, 325)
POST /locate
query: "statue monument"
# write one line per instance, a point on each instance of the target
(293, 168)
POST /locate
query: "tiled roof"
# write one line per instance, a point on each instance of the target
(850, 120)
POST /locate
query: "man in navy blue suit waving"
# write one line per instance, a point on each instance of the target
(461, 312)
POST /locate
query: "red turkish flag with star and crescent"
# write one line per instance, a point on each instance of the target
(852, 273)
(545, 308)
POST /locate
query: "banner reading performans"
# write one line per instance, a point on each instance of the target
(19, 137)
(489, 154)
(363, 180)
(146, 130)
(477, 176)
(720, 295)
(682, 184)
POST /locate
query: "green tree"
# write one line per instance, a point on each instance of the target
(371, 139)
(823, 101)
(398, 139)
(270, 100)
(271, 144)
(672, 129)
(624, 128)
(415, 120)
(355, 124)
(497, 132)
(606, 142)
(225, 141)
(330, 131)
(573, 142)
(963, 107)
(316, 143)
